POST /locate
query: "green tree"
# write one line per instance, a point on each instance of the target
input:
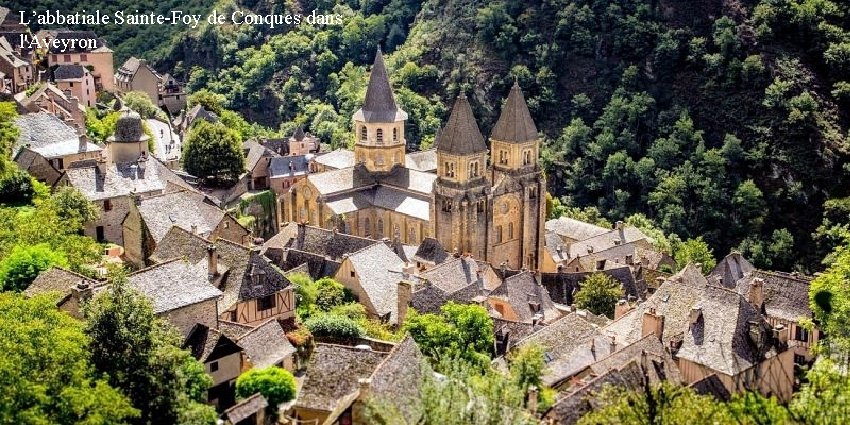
(141, 103)
(140, 354)
(25, 263)
(829, 298)
(752, 408)
(275, 384)
(458, 331)
(825, 398)
(213, 152)
(599, 294)
(694, 251)
(45, 372)
(72, 207)
(330, 293)
(211, 101)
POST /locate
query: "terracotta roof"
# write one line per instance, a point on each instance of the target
(515, 123)
(461, 136)
(266, 345)
(333, 373)
(379, 105)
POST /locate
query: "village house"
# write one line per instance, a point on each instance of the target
(250, 411)
(172, 94)
(521, 298)
(332, 380)
(149, 220)
(47, 146)
(19, 73)
(77, 80)
(48, 98)
(459, 279)
(373, 274)
(184, 122)
(125, 168)
(98, 60)
(136, 75)
(222, 359)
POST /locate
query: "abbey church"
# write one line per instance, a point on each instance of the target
(486, 203)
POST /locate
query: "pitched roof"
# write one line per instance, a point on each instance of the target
(345, 179)
(720, 337)
(337, 159)
(398, 377)
(266, 345)
(181, 208)
(233, 330)
(379, 105)
(461, 136)
(730, 270)
(430, 251)
(326, 243)
(49, 136)
(455, 274)
(425, 161)
(68, 72)
(55, 279)
(409, 180)
(173, 284)
(288, 166)
(561, 337)
(522, 291)
(123, 178)
(208, 344)
(575, 230)
(333, 372)
(179, 242)
(379, 271)
(515, 123)
(248, 275)
(245, 408)
(605, 241)
(256, 152)
(786, 296)
(562, 286)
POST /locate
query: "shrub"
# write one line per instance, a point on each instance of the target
(333, 326)
(275, 384)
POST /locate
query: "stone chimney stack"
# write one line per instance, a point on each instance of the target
(755, 295)
(405, 295)
(365, 386)
(533, 399)
(653, 323)
(621, 309)
(212, 261)
(101, 166)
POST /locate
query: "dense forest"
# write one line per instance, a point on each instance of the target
(725, 119)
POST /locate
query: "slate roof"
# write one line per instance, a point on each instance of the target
(55, 279)
(332, 373)
(455, 274)
(574, 229)
(123, 178)
(317, 266)
(178, 243)
(611, 239)
(248, 276)
(256, 152)
(380, 105)
(173, 284)
(199, 112)
(266, 345)
(49, 136)
(68, 72)
(289, 166)
(461, 135)
(345, 179)
(430, 251)
(425, 161)
(515, 123)
(245, 408)
(562, 286)
(719, 339)
(398, 378)
(561, 337)
(129, 129)
(409, 180)
(648, 344)
(396, 200)
(673, 299)
(521, 291)
(730, 270)
(181, 208)
(508, 333)
(129, 69)
(208, 344)
(570, 408)
(786, 296)
(379, 271)
(233, 330)
(338, 159)
(324, 242)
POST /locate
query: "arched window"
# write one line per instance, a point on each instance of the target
(395, 135)
(499, 234)
(380, 230)
(380, 136)
(367, 224)
(364, 134)
(510, 231)
(396, 232)
(379, 159)
(411, 235)
(526, 157)
(503, 157)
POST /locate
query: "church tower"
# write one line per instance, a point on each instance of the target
(460, 209)
(519, 186)
(379, 124)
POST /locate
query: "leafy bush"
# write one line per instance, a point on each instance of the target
(333, 326)
(330, 293)
(25, 263)
(16, 187)
(275, 384)
(599, 293)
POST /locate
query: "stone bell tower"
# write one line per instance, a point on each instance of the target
(379, 124)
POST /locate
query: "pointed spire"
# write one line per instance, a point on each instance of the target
(515, 124)
(379, 105)
(461, 136)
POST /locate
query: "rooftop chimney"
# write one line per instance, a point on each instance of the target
(619, 225)
(621, 309)
(365, 386)
(695, 315)
(194, 229)
(405, 295)
(755, 295)
(653, 323)
(533, 396)
(212, 262)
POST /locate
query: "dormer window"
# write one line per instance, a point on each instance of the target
(380, 136)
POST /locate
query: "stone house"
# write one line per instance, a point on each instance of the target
(136, 75)
(332, 379)
(285, 171)
(77, 80)
(69, 287)
(47, 146)
(266, 345)
(251, 411)
(373, 275)
(19, 73)
(521, 298)
(97, 59)
(149, 220)
(222, 359)
(48, 98)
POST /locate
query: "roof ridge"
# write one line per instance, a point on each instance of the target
(241, 337)
(75, 273)
(189, 232)
(151, 267)
(392, 351)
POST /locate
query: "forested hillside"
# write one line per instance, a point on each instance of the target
(726, 119)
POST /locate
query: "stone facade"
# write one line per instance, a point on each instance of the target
(185, 318)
